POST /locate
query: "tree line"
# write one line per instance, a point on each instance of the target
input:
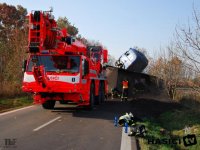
(178, 64)
(13, 42)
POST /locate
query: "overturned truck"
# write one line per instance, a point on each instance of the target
(130, 66)
(138, 82)
(132, 60)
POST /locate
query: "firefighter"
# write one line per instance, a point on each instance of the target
(124, 90)
(127, 118)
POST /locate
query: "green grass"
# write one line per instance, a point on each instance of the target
(153, 132)
(12, 103)
(172, 122)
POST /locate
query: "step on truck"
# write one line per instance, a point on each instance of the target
(60, 67)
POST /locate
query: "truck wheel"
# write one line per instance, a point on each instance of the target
(49, 104)
(101, 97)
(103, 92)
(92, 96)
(36, 16)
(98, 98)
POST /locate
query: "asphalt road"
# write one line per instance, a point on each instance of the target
(65, 128)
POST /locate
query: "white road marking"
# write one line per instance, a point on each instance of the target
(126, 140)
(42, 126)
(5, 113)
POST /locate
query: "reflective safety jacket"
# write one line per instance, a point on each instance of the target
(125, 84)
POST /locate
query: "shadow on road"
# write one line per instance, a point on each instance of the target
(111, 108)
(169, 116)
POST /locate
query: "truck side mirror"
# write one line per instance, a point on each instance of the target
(24, 65)
(86, 68)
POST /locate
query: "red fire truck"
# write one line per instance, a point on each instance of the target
(61, 68)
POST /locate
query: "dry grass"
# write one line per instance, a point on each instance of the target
(174, 122)
(10, 89)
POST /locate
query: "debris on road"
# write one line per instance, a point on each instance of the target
(129, 120)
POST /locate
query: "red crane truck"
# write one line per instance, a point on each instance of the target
(61, 68)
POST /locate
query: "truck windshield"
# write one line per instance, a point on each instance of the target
(56, 63)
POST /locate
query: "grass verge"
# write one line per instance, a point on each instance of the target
(13, 103)
(171, 125)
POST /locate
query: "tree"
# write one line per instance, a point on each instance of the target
(13, 39)
(188, 42)
(142, 50)
(170, 69)
(11, 17)
(63, 22)
(111, 60)
(82, 39)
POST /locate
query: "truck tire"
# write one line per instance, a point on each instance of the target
(36, 16)
(49, 104)
(103, 92)
(98, 97)
(101, 97)
(119, 64)
(92, 96)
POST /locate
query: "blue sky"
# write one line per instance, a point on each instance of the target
(118, 24)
